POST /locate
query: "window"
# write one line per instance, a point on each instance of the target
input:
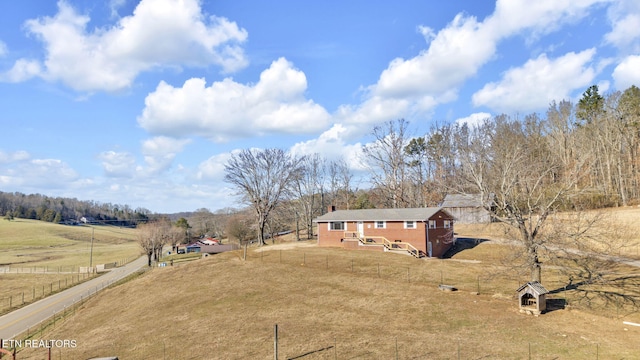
(432, 224)
(409, 224)
(336, 225)
(447, 224)
(380, 225)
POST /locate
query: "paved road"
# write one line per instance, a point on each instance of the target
(30, 316)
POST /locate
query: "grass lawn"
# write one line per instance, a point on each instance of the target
(333, 304)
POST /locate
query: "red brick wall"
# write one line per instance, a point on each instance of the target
(440, 237)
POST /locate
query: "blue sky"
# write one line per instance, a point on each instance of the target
(142, 102)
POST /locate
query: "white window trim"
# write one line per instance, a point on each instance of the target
(447, 224)
(432, 222)
(344, 227)
(384, 224)
(413, 223)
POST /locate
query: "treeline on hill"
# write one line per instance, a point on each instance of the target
(575, 156)
(60, 210)
(595, 142)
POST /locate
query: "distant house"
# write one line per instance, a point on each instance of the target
(200, 247)
(209, 241)
(467, 208)
(88, 220)
(416, 231)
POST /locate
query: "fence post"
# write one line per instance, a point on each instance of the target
(396, 348)
(275, 342)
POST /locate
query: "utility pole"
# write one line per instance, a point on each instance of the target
(91, 251)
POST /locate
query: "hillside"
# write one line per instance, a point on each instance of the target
(332, 303)
(28, 243)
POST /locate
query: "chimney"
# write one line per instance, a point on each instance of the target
(331, 208)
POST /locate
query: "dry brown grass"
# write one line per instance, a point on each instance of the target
(21, 289)
(224, 308)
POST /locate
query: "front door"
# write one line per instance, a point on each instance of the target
(360, 229)
(429, 249)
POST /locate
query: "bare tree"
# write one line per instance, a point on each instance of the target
(262, 178)
(340, 183)
(152, 237)
(241, 229)
(202, 222)
(508, 164)
(308, 189)
(386, 159)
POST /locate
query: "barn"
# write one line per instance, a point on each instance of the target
(466, 208)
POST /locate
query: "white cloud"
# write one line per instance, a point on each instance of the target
(227, 109)
(624, 16)
(454, 54)
(538, 82)
(627, 73)
(538, 17)
(474, 120)
(159, 153)
(114, 5)
(38, 173)
(13, 156)
(213, 167)
(417, 85)
(333, 144)
(160, 33)
(22, 70)
(118, 164)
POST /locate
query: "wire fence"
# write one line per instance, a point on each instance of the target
(71, 276)
(41, 291)
(344, 347)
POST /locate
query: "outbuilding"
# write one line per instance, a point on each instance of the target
(467, 208)
(532, 298)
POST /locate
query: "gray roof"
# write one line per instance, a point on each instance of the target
(408, 214)
(535, 286)
(461, 200)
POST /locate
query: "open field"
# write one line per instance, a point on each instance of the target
(37, 258)
(623, 219)
(31, 243)
(334, 304)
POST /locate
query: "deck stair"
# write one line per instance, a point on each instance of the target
(394, 246)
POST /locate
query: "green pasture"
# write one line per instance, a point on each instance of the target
(32, 244)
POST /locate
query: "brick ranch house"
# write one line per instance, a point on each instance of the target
(421, 232)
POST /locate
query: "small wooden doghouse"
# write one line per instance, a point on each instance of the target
(532, 298)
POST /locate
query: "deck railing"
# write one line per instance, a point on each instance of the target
(399, 245)
(389, 245)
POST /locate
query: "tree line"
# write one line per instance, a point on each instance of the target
(59, 209)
